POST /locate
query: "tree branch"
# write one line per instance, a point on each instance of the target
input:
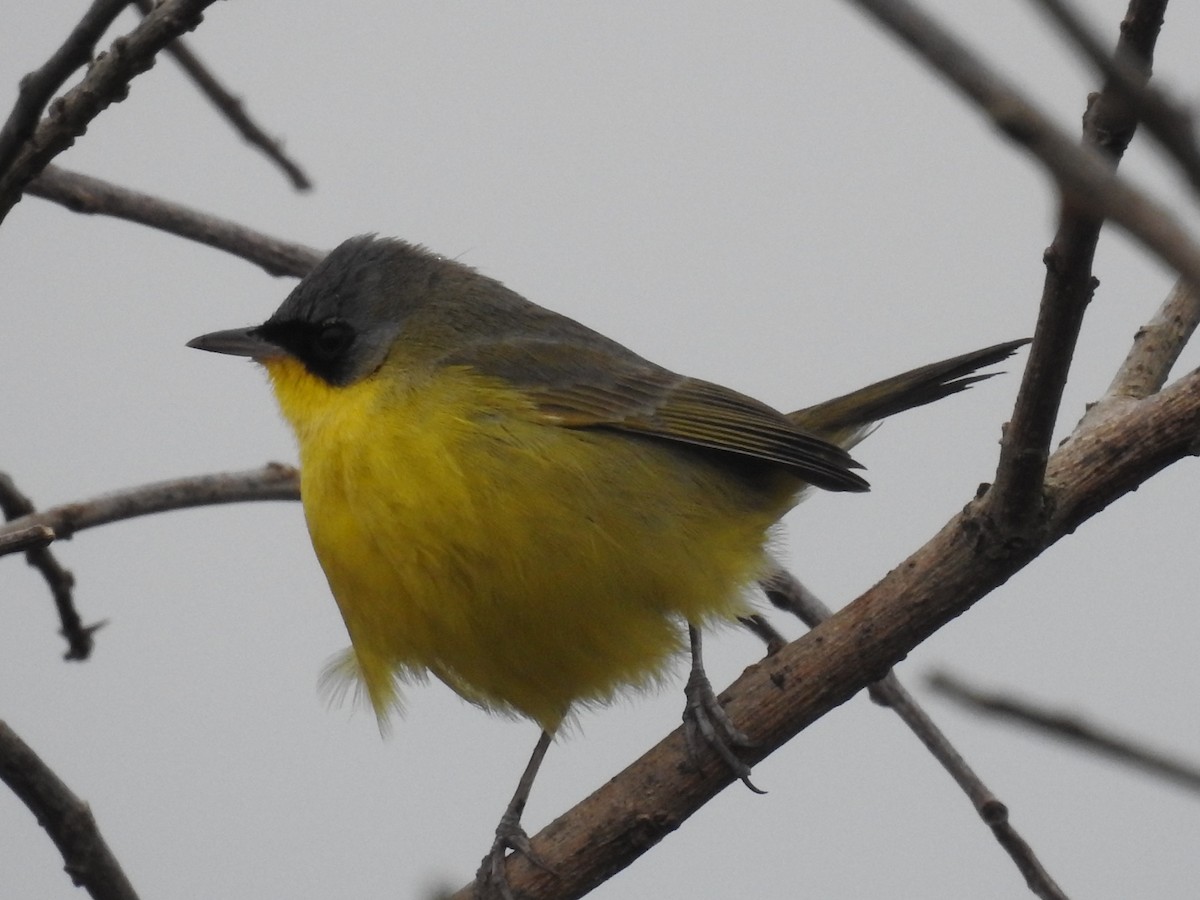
(1091, 191)
(1109, 125)
(66, 818)
(1068, 727)
(275, 481)
(84, 194)
(39, 86)
(26, 539)
(106, 82)
(1156, 348)
(786, 592)
(1168, 122)
(782, 694)
(16, 506)
(231, 107)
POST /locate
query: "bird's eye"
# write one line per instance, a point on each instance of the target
(331, 339)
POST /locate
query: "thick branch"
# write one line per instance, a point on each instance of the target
(85, 194)
(65, 817)
(106, 82)
(780, 696)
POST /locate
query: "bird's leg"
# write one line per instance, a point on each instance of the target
(704, 717)
(761, 627)
(491, 881)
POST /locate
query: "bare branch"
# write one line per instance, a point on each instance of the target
(1156, 348)
(1158, 344)
(1084, 177)
(40, 85)
(231, 107)
(16, 506)
(1169, 122)
(1068, 727)
(26, 539)
(786, 592)
(1091, 191)
(66, 818)
(106, 82)
(782, 694)
(93, 196)
(275, 481)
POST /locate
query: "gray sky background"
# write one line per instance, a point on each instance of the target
(769, 195)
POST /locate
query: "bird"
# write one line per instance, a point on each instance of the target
(529, 511)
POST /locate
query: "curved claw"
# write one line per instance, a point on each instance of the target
(705, 717)
(491, 881)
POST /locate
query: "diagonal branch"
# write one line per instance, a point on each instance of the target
(786, 592)
(1169, 122)
(16, 506)
(1091, 191)
(781, 695)
(93, 196)
(1068, 287)
(231, 107)
(1069, 727)
(65, 817)
(106, 82)
(39, 86)
(1156, 348)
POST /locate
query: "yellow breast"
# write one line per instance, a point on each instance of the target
(528, 566)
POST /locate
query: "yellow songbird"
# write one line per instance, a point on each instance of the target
(526, 509)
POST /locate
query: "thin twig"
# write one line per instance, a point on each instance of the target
(1169, 122)
(106, 82)
(275, 481)
(93, 196)
(994, 813)
(786, 592)
(66, 818)
(39, 86)
(1068, 727)
(231, 107)
(18, 508)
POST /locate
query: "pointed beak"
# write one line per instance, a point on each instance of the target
(237, 342)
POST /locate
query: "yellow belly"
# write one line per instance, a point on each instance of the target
(530, 567)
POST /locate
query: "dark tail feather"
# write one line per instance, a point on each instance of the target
(845, 420)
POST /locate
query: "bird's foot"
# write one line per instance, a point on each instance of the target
(491, 881)
(705, 718)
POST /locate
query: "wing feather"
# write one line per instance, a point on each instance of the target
(587, 387)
